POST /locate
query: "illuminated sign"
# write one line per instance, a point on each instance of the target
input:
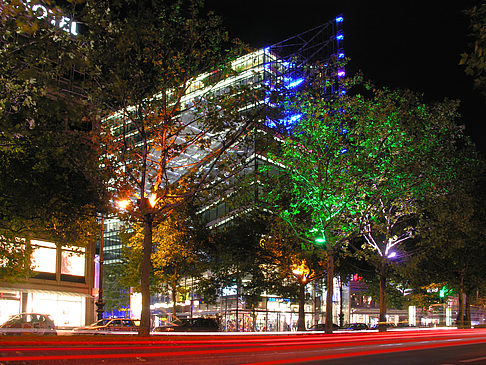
(61, 22)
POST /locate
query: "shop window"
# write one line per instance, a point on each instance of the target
(73, 264)
(43, 256)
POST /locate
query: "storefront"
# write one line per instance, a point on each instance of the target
(61, 286)
(65, 309)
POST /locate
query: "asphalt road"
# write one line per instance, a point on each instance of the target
(428, 347)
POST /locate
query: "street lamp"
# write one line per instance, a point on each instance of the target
(99, 303)
(301, 271)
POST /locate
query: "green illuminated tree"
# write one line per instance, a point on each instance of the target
(164, 150)
(321, 172)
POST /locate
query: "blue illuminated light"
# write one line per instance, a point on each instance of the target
(344, 150)
(339, 19)
(341, 73)
(293, 83)
(343, 92)
(341, 55)
(340, 37)
(295, 118)
(291, 119)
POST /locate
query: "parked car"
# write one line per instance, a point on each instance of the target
(321, 327)
(29, 324)
(191, 325)
(387, 325)
(356, 326)
(110, 325)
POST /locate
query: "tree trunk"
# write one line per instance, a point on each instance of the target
(341, 313)
(460, 311)
(301, 320)
(146, 270)
(467, 316)
(174, 299)
(330, 286)
(382, 319)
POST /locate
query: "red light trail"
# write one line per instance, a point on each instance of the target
(348, 345)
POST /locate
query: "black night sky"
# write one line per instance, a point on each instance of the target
(400, 43)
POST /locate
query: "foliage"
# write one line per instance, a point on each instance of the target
(318, 174)
(50, 183)
(234, 254)
(116, 295)
(176, 252)
(475, 60)
(395, 290)
(453, 230)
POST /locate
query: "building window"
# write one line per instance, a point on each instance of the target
(43, 256)
(73, 261)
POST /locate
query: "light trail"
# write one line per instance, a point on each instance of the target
(240, 345)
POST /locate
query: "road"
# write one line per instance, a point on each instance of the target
(428, 347)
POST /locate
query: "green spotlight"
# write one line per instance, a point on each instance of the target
(320, 240)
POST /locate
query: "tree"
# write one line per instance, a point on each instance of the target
(290, 265)
(164, 147)
(453, 229)
(177, 253)
(407, 148)
(475, 60)
(320, 172)
(50, 184)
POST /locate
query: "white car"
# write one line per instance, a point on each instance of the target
(29, 324)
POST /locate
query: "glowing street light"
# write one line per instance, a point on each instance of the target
(302, 271)
(123, 204)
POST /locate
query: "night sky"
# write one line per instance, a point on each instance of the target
(395, 43)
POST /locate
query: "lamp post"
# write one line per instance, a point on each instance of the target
(99, 303)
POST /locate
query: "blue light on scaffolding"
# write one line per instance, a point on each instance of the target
(343, 151)
(295, 117)
(340, 37)
(291, 119)
(294, 83)
(341, 55)
(339, 19)
(341, 73)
